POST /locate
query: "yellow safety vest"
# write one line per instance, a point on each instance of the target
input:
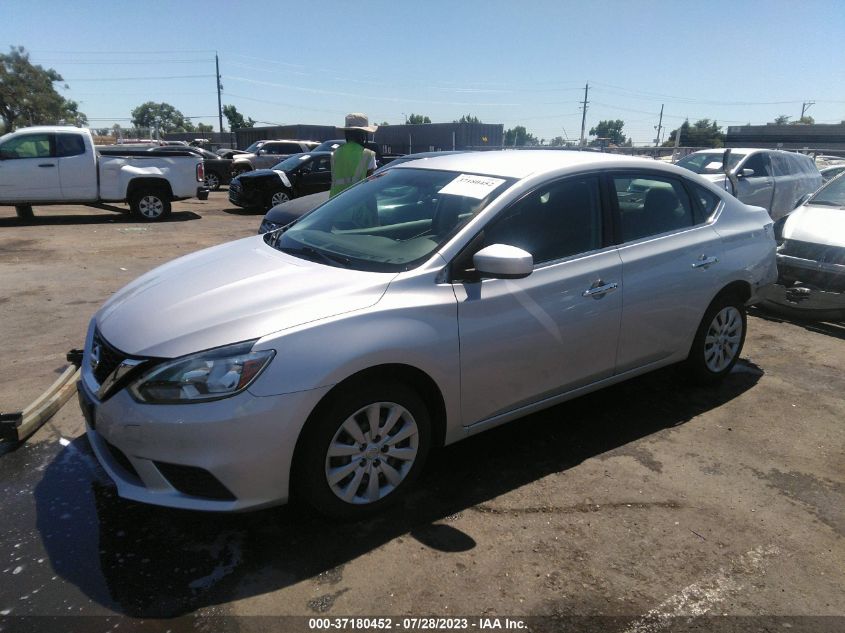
(349, 165)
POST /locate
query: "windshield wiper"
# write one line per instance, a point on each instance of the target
(826, 203)
(312, 253)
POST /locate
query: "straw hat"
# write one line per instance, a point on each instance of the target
(359, 121)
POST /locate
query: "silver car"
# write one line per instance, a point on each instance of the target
(426, 304)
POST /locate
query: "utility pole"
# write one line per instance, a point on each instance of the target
(584, 113)
(659, 127)
(219, 88)
(806, 106)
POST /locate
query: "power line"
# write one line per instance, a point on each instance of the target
(138, 78)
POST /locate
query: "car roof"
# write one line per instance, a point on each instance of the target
(523, 163)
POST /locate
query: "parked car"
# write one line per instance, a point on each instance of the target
(811, 257)
(227, 152)
(773, 179)
(265, 154)
(286, 212)
(831, 172)
(60, 165)
(218, 171)
(331, 357)
(297, 175)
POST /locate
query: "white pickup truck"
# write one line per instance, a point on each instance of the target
(60, 165)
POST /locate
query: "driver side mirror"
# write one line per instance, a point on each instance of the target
(502, 261)
(745, 173)
(261, 152)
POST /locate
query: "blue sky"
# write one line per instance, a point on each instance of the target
(517, 63)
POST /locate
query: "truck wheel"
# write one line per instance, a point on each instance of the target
(212, 181)
(24, 211)
(277, 197)
(149, 205)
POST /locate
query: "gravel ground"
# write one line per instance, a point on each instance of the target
(647, 501)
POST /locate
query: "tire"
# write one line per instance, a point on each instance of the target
(149, 205)
(212, 180)
(277, 197)
(24, 211)
(340, 485)
(718, 341)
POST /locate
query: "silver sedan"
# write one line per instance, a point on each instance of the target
(428, 303)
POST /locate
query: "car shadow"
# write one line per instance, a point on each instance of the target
(151, 562)
(248, 211)
(120, 217)
(835, 329)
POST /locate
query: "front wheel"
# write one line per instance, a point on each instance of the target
(150, 205)
(277, 197)
(719, 340)
(363, 450)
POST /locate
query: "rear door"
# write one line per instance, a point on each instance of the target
(758, 189)
(77, 169)
(28, 169)
(523, 340)
(668, 250)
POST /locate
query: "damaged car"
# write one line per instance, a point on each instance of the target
(811, 257)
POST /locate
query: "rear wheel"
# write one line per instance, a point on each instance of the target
(212, 181)
(24, 211)
(719, 340)
(363, 449)
(150, 205)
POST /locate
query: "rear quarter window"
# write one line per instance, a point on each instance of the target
(707, 202)
(69, 145)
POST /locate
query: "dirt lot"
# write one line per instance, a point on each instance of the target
(648, 500)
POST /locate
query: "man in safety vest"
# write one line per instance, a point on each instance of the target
(351, 162)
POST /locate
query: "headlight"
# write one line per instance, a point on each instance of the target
(267, 226)
(210, 375)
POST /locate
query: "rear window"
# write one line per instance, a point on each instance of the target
(707, 201)
(69, 145)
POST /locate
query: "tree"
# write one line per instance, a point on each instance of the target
(468, 118)
(418, 119)
(162, 116)
(804, 120)
(204, 129)
(781, 120)
(383, 124)
(519, 137)
(27, 95)
(236, 119)
(610, 129)
(702, 133)
(557, 141)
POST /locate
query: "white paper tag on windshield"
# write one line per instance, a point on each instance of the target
(714, 165)
(472, 186)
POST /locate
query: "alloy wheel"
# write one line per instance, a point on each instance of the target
(279, 197)
(721, 344)
(150, 206)
(372, 453)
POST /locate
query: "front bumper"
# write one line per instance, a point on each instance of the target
(226, 455)
(239, 197)
(804, 300)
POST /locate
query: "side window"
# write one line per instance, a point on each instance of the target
(782, 165)
(69, 145)
(759, 163)
(26, 146)
(707, 202)
(555, 221)
(272, 149)
(322, 164)
(652, 205)
(289, 148)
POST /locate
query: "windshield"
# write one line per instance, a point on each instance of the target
(254, 147)
(328, 146)
(832, 194)
(390, 222)
(292, 162)
(708, 162)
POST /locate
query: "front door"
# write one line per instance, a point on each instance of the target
(523, 340)
(756, 190)
(317, 177)
(28, 169)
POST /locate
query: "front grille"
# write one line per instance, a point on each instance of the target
(123, 461)
(815, 252)
(109, 357)
(194, 481)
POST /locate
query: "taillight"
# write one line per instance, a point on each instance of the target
(200, 172)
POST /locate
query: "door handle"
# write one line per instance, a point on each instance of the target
(704, 261)
(47, 165)
(599, 289)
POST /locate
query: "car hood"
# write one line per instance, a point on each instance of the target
(258, 173)
(817, 224)
(234, 292)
